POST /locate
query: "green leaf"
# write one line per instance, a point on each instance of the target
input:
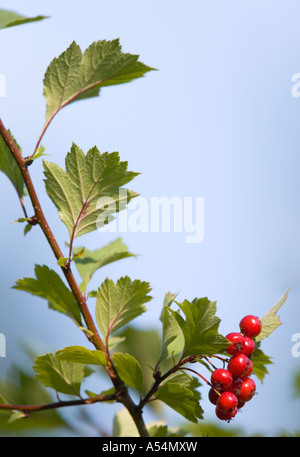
(270, 321)
(10, 19)
(192, 384)
(88, 192)
(117, 304)
(91, 261)
(80, 354)
(9, 166)
(62, 261)
(79, 253)
(144, 345)
(181, 399)
(16, 415)
(168, 300)
(214, 430)
(104, 392)
(296, 383)
(158, 429)
(62, 376)
(115, 341)
(129, 370)
(200, 329)
(22, 219)
(172, 337)
(184, 379)
(260, 360)
(22, 388)
(27, 228)
(73, 76)
(123, 425)
(39, 152)
(49, 285)
(3, 399)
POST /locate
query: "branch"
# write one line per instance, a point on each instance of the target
(41, 220)
(27, 409)
(122, 394)
(160, 378)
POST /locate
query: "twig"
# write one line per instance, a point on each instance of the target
(27, 409)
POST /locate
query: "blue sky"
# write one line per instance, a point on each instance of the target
(217, 120)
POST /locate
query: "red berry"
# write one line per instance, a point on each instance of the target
(239, 364)
(247, 390)
(249, 370)
(250, 326)
(221, 379)
(249, 346)
(237, 343)
(227, 401)
(225, 416)
(240, 404)
(213, 396)
(235, 386)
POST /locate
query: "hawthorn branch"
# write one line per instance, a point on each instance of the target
(159, 378)
(27, 409)
(41, 220)
(93, 336)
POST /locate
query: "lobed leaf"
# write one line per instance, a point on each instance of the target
(75, 76)
(183, 378)
(182, 399)
(88, 193)
(90, 261)
(61, 375)
(172, 336)
(200, 328)
(117, 304)
(80, 354)
(270, 320)
(260, 360)
(48, 285)
(180, 392)
(129, 370)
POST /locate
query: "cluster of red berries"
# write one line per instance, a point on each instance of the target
(233, 387)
